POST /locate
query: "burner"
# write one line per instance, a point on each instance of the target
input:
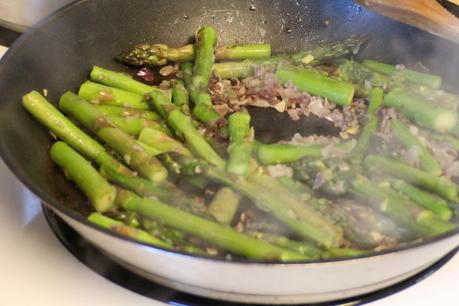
(106, 267)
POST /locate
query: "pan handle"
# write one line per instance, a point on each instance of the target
(3, 50)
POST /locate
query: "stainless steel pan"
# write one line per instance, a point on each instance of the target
(57, 54)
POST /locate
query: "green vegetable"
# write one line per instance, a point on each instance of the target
(314, 83)
(53, 119)
(224, 205)
(440, 185)
(100, 193)
(427, 161)
(125, 230)
(433, 81)
(106, 95)
(240, 147)
(220, 235)
(286, 153)
(126, 146)
(426, 200)
(420, 111)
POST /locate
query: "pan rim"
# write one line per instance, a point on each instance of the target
(54, 204)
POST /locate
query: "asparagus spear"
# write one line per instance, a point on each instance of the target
(125, 230)
(156, 54)
(427, 161)
(224, 205)
(149, 149)
(235, 70)
(439, 185)
(203, 109)
(160, 54)
(448, 140)
(130, 218)
(133, 154)
(421, 222)
(119, 111)
(180, 96)
(251, 51)
(363, 143)
(286, 153)
(106, 95)
(134, 125)
(363, 78)
(119, 80)
(187, 73)
(426, 200)
(301, 247)
(307, 80)
(162, 142)
(433, 81)
(100, 193)
(48, 115)
(417, 109)
(269, 195)
(437, 97)
(363, 226)
(240, 147)
(184, 128)
(306, 248)
(431, 223)
(172, 236)
(314, 56)
(376, 98)
(206, 39)
(164, 191)
(220, 235)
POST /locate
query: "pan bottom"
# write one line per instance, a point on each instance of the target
(120, 273)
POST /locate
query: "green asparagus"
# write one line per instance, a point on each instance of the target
(240, 147)
(422, 112)
(66, 130)
(184, 128)
(308, 80)
(433, 81)
(118, 111)
(440, 185)
(180, 96)
(119, 80)
(206, 39)
(268, 194)
(286, 153)
(160, 54)
(408, 214)
(100, 193)
(133, 154)
(427, 161)
(224, 205)
(164, 191)
(162, 142)
(426, 200)
(220, 235)
(125, 230)
(317, 55)
(106, 95)
(134, 125)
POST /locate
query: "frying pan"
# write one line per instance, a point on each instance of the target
(57, 55)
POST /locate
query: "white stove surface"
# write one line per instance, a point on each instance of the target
(36, 269)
